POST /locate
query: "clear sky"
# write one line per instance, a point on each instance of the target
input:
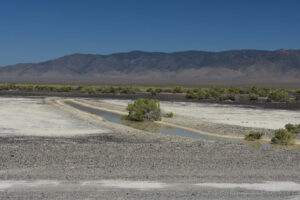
(37, 30)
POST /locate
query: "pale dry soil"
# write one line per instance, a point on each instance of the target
(112, 161)
(230, 120)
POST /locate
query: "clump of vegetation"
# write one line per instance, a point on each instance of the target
(294, 128)
(169, 115)
(251, 136)
(202, 95)
(127, 90)
(253, 97)
(144, 109)
(190, 95)
(63, 89)
(111, 89)
(230, 96)
(279, 96)
(210, 93)
(154, 91)
(283, 137)
(177, 89)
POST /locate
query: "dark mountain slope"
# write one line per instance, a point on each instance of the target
(189, 67)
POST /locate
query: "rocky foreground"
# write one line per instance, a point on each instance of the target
(115, 156)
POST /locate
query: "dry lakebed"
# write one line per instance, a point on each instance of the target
(61, 148)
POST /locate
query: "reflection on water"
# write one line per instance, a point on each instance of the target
(146, 126)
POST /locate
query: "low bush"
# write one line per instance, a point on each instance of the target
(231, 96)
(251, 136)
(111, 89)
(63, 89)
(169, 115)
(190, 95)
(202, 95)
(279, 96)
(154, 91)
(127, 90)
(144, 109)
(283, 137)
(253, 97)
(177, 89)
(294, 128)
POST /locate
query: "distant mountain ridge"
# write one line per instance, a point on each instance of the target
(233, 67)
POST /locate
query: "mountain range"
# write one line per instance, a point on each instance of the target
(233, 67)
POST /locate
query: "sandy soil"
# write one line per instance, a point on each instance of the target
(124, 154)
(31, 116)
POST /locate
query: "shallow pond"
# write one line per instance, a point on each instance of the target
(146, 126)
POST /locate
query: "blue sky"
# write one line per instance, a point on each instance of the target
(37, 30)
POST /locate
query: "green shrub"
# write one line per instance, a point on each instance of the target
(251, 136)
(279, 96)
(263, 92)
(63, 89)
(153, 91)
(169, 115)
(294, 128)
(144, 109)
(127, 90)
(190, 95)
(282, 136)
(109, 90)
(254, 90)
(149, 89)
(231, 96)
(253, 97)
(201, 95)
(233, 90)
(177, 89)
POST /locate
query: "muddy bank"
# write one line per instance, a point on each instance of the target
(160, 96)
